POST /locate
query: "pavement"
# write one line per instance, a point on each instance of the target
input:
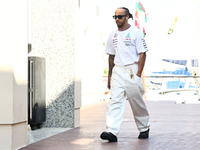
(173, 127)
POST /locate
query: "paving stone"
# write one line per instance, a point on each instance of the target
(173, 127)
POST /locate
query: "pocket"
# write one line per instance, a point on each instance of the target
(139, 81)
(137, 78)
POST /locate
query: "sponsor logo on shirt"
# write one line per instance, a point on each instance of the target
(127, 40)
(115, 41)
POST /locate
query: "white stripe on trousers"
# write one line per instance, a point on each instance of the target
(123, 85)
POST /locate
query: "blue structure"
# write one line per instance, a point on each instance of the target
(194, 62)
(175, 84)
(179, 62)
(179, 71)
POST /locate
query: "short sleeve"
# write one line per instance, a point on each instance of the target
(109, 46)
(141, 45)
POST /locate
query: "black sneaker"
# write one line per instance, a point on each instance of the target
(108, 136)
(144, 135)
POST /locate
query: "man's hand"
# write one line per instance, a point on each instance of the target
(139, 75)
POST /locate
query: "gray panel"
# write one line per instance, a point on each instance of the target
(37, 90)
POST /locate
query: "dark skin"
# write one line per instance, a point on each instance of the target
(123, 24)
(111, 65)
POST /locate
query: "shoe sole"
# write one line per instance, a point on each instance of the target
(106, 137)
(143, 137)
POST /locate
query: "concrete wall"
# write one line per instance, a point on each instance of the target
(70, 40)
(13, 74)
(53, 37)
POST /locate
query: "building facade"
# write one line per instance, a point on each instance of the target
(58, 31)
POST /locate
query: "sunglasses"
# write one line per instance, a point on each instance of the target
(119, 17)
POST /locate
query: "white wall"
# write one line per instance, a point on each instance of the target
(92, 51)
(13, 74)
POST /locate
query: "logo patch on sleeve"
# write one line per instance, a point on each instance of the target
(144, 44)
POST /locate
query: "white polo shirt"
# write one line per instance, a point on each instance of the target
(126, 45)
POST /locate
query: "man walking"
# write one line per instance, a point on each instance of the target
(127, 54)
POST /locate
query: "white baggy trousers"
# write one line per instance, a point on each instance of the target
(122, 85)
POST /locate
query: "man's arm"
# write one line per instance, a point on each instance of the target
(141, 63)
(111, 65)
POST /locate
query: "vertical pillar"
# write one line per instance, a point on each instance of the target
(13, 74)
(78, 66)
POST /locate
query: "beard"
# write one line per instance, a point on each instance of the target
(119, 25)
